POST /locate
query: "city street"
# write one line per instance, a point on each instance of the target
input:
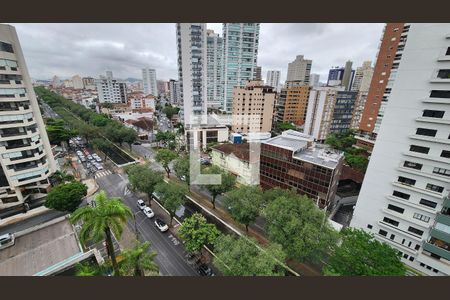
(171, 253)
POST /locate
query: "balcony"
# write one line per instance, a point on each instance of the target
(441, 76)
(443, 219)
(433, 120)
(446, 202)
(440, 235)
(436, 250)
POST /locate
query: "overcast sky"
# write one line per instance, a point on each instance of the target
(90, 49)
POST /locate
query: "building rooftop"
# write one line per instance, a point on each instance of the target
(304, 148)
(40, 248)
(241, 151)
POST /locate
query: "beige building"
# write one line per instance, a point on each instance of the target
(26, 159)
(292, 103)
(235, 158)
(360, 103)
(253, 107)
(363, 77)
(299, 69)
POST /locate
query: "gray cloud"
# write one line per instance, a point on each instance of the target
(90, 49)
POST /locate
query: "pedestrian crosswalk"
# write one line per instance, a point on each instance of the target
(102, 173)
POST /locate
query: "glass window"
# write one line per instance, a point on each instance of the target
(6, 47)
(428, 203)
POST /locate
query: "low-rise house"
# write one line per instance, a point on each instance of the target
(237, 159)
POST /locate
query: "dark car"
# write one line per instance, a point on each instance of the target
(204, 270)
(137, 143)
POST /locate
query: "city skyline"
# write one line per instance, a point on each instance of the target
(125, 52)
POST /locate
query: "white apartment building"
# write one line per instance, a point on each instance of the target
(314, 79)
(299, 69)
(191, 49)
(26, 159)
(77, 82)
(111, 90)
(214, 69)
(149, 82)
(89, 83)
(174, 91)
(241, 41)
(319, 115)
(273, 79)
(404, 200)
(363, 77)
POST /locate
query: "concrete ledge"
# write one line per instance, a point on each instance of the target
(23, 216)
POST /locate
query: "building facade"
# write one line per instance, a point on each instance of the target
(192, 73)
(320, 111)
(292, 103)
(385, 61)
(174, 92)
(77, 82)
(273, 79)
(299, 69)
(404, 199)
(341, 76)
(258, 73)
(314, 79)
(292, 160)
(253, 107)
(363, 77)
(343, 111)
(214, 69)
(241, 42)
(26, 157)
(149, 82)
(111, 90)
(235, 158)
(89, 83)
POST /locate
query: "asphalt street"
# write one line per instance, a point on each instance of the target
(171, 253)
(31, 222)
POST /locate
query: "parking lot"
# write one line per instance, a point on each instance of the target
(92, 163)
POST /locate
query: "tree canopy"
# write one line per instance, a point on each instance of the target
(66, 196)
(138, 261)
(196, 232)
(359, 254)
(245, 204)
(227, 183)
(165, 156)
(240, 257)
(172, 197)
(144, 179)
(300, 227)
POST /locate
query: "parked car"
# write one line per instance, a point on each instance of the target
(204, 270)
(192, 258)
(148, 212)
(137, 143)
(7, 240)
(141, 204)
(83, 159)
(162, 226)
(89, 157)
(183, 178)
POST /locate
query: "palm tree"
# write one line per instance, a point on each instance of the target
(138, 260)
(101, 221)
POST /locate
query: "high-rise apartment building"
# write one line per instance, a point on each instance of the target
(384, 64)
(174, 91)
(253, 108)
(56, 82)
(192, 73)
(149, 82)
(293, 161)
(111, 90)
(241, 42)
(26, 159)
(404, 200)
(273, 79)
(162, 87)
(341, 76)
(343, 111)
(292, 103)
(314, 79)
(363, 77)
(77, 82)
(299, 69)
(214, 69)
(360, 103)
(320, 111)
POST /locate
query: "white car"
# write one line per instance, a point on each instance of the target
(89, 157)
(98, 166)
(161, 225)
(7, 240)
(148, 212)
(141, 204)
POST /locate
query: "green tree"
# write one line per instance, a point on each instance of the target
(359, 254)
(139, 260)
(87, 269)
(165, 156)
(57, 133)
(66, 196)
(172, 196)
(170, 111)
(100, 222)
(240, 257)
(300, 227)
(88, 132)
(62, 177)
(245, 204)
(358, 162)
(129, 136)
(285, 126)
(165, 137)
(144, 179)
(196, 232)
(182, 168)
(227, 183)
